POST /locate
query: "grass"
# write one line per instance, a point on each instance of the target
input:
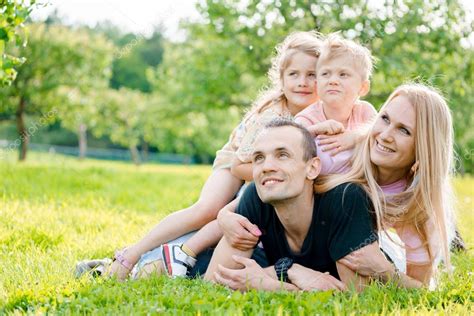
(56, 210)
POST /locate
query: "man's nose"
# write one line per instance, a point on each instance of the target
(269, 164)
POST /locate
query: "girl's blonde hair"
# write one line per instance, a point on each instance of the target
(428, 202)
(304, 42)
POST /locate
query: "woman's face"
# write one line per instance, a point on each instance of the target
(392, 139)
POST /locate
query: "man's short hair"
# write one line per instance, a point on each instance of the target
(309, 146)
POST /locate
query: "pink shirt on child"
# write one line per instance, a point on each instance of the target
(362, 112)
(415, 251)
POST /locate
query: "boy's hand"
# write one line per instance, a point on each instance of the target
(328, 127)
(337, 143)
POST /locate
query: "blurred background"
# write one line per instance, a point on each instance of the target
(167, 81)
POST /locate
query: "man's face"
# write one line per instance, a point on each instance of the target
(279, 171)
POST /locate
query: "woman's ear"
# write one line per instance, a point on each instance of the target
(414, 168)
(313, 168)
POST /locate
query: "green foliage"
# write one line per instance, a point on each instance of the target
(225, 59)
(56, 211)
(13, 14)
(134, 55)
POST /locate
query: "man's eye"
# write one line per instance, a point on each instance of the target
(312, 75)
(324, 73)
(283, 155)
(257, 158)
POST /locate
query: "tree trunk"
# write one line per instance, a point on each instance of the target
(145, 151)
(21, 128)
(82, 141)
(135, 154)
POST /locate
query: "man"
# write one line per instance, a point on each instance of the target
(304, 234)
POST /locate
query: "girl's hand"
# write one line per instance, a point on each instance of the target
(369, 261)
(238, 230)
(118, 270)
(328, 127)
(337, 143)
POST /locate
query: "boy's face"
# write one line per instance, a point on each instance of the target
(339, 82)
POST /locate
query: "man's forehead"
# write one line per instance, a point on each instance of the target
(279, 137)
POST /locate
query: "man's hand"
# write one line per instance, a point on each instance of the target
(239, 232)
(252, 276)
(337, 143)
(369, 261)
(328, 127)
(309, 280)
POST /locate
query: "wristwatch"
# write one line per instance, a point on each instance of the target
(281, 268)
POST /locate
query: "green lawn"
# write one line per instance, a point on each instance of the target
(56, 210)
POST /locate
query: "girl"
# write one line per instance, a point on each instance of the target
(293, 89)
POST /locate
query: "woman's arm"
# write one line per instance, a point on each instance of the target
(369, 261)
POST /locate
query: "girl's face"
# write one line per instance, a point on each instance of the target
(299, 82)
(392, 139)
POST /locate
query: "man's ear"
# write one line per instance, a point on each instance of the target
(313, 168)
(365, 88)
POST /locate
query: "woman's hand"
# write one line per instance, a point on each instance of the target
(309, 280)
(369, 261)
(238, 230)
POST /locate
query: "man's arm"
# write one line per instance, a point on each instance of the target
(223, 256)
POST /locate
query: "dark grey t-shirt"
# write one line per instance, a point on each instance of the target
(341, 223)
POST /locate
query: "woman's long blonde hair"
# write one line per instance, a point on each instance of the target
(304, 42)
(429, 199)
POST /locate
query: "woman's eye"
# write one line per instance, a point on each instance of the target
(312, 75)
(405, 131)
(385, 119)
(324, 73)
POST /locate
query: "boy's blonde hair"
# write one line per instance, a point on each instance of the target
(428, 202)
(335, 46)
(304, 42)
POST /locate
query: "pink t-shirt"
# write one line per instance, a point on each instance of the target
(362, 113)
(415, 251)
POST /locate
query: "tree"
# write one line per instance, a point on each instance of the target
(13, 14)
(56, 56)
(120, 117)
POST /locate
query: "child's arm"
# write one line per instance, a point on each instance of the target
(328, 127)
(341, 142)
(241, 170)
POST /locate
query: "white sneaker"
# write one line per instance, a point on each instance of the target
(176, 262)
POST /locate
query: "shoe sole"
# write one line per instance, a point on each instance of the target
(167, 259)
